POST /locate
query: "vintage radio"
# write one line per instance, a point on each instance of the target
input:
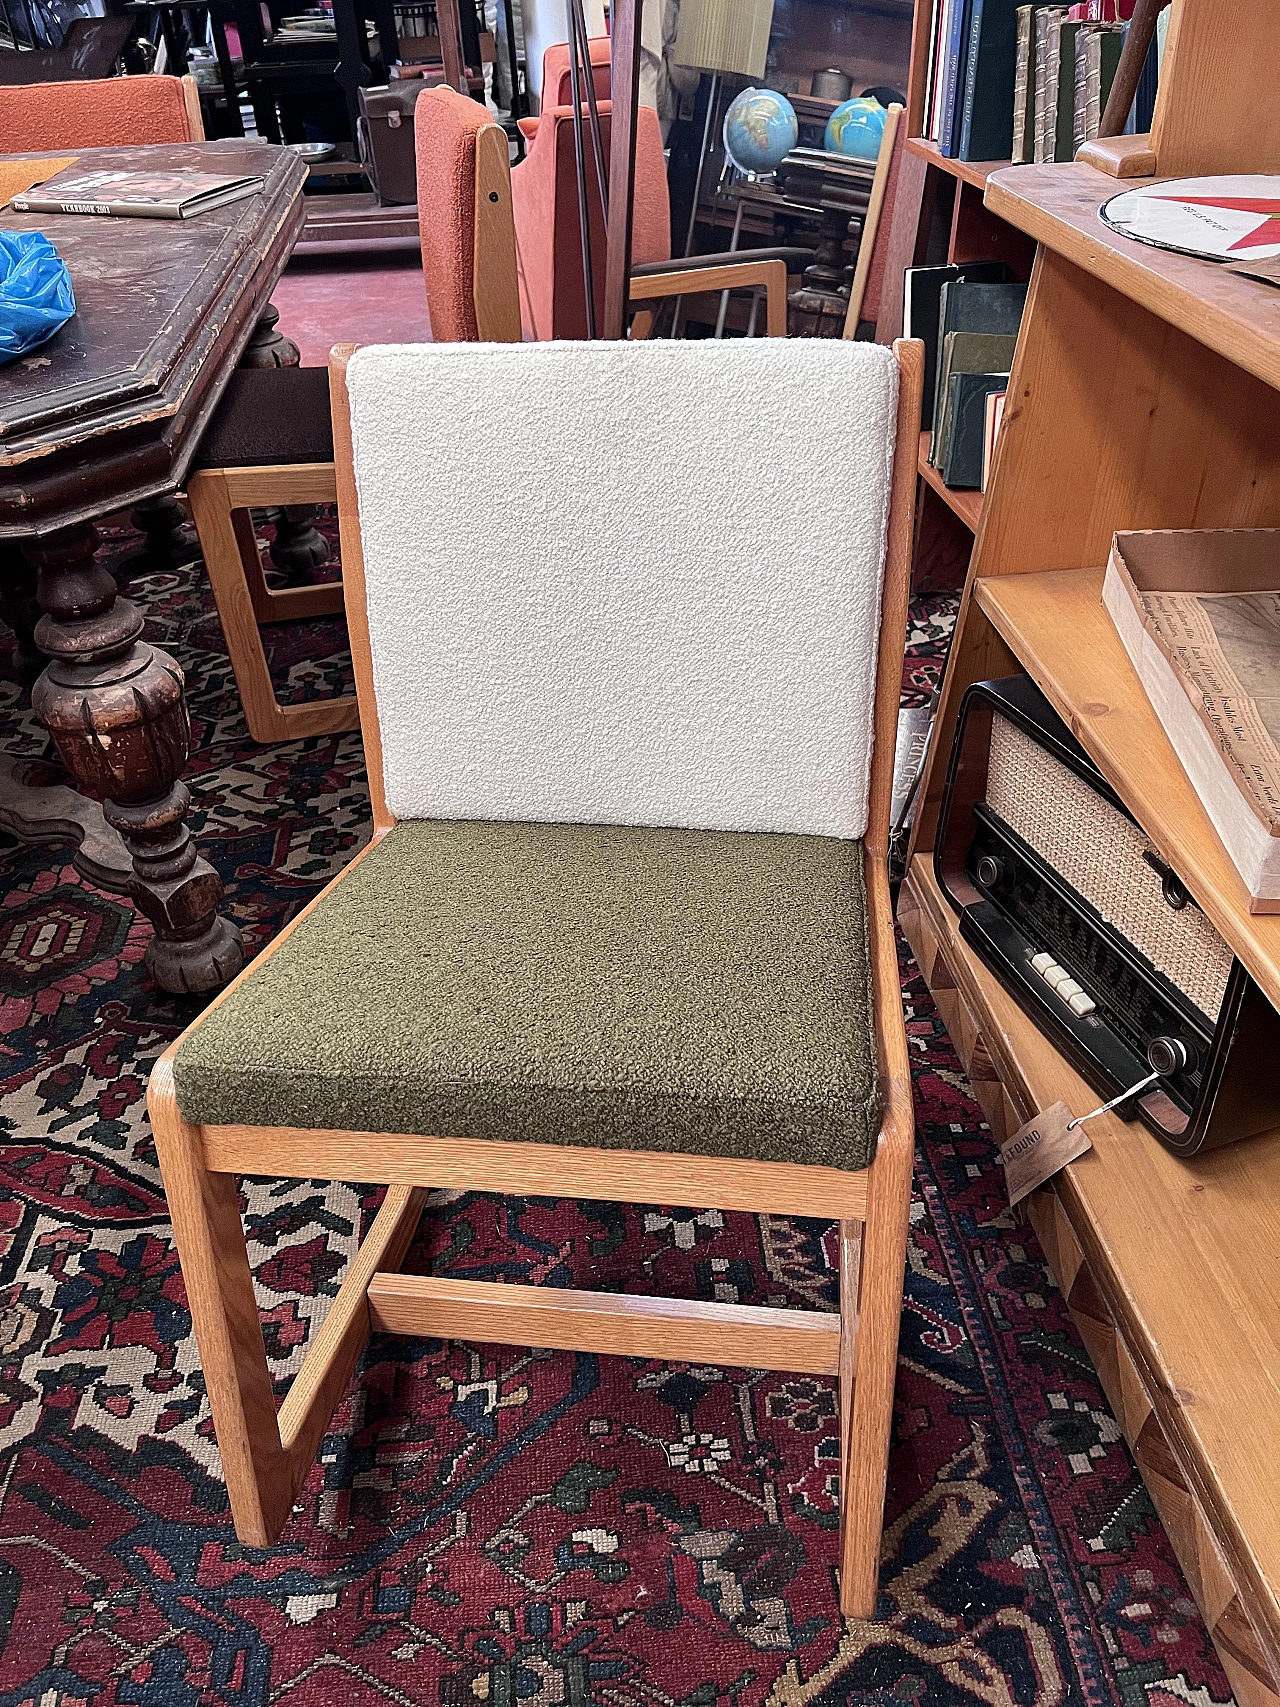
(1066, 900)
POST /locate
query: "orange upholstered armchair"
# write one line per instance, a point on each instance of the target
(465, 220)
(544, 193)
(99, 113)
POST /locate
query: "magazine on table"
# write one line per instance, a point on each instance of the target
(136, 195)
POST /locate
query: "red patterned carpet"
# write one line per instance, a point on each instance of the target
(495, 1526)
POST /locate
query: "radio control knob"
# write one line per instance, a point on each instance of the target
(990, 871)
(1168, 1055)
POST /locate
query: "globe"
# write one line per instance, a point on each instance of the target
(760, 130)
(855, 129)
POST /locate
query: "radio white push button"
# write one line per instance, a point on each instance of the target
(1060, 980)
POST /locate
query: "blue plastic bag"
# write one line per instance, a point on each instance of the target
(35, 292)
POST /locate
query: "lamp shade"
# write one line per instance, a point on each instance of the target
(724, 35)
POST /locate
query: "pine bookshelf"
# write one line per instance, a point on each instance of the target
(1145, 392)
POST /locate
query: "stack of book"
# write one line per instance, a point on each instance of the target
(967, 316)
(1065, 60)
(1024, 82)
(821, 179)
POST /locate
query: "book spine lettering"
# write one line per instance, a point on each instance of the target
(955, 76)
(970, 80)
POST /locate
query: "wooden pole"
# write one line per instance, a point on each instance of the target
(580, 162)
(451, 45)
(625, 90)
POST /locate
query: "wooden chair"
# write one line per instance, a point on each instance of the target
(329, 1057)
(271, 443)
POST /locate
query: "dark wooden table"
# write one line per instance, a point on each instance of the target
(108, 414)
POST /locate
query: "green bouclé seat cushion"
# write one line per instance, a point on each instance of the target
(691, 991)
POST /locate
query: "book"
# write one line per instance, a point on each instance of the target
(921, 310)
(967, 412)
(1198, 612)
(966, 352)
(136, 195)
(987, 112)
(991, 431)
(931, 67)
(946, 11)
(953, 93)
(1097, 56)
(967, 306)
(1024, 105)
(1049, 21)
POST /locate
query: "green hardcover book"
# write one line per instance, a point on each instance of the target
(968, 307)
(967, 412)
(1063, 124)
(962, 353)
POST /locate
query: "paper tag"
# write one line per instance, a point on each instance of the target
(1037, 1151)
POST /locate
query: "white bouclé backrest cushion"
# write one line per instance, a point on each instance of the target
(626, 583)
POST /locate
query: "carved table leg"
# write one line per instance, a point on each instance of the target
(267, 347)
(171, 539)
(115, 708)
(19, 610)
(299, 546)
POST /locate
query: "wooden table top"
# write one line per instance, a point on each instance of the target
(111, 409)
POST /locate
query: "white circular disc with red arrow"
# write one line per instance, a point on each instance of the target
(1234, 218)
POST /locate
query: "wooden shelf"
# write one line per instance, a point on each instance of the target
(1058, 627)
(974, 172)
(1059, 206)
(963, 500)
(1187, 1255)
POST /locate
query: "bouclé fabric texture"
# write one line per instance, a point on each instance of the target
(686, 991)
(626, 583)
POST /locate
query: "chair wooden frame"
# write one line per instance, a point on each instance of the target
(221, 498)
(266, 1456)
(690, 280)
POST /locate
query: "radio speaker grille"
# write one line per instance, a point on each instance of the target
(1098, 851)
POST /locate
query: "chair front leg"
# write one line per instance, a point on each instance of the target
(205, 1210)
(872, 1263)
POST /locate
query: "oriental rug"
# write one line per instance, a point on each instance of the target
(499, 1526)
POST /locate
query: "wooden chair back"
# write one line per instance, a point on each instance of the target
(107, 112)
(465, 219)
(873, 248)
(892, 613)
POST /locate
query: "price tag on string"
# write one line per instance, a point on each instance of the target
(1046, 1144)
(1039, 1149)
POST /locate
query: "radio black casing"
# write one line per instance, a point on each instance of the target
(1226, 1093)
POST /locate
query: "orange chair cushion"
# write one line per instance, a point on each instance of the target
(446, 125)
(557, 79)
(98, 113)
